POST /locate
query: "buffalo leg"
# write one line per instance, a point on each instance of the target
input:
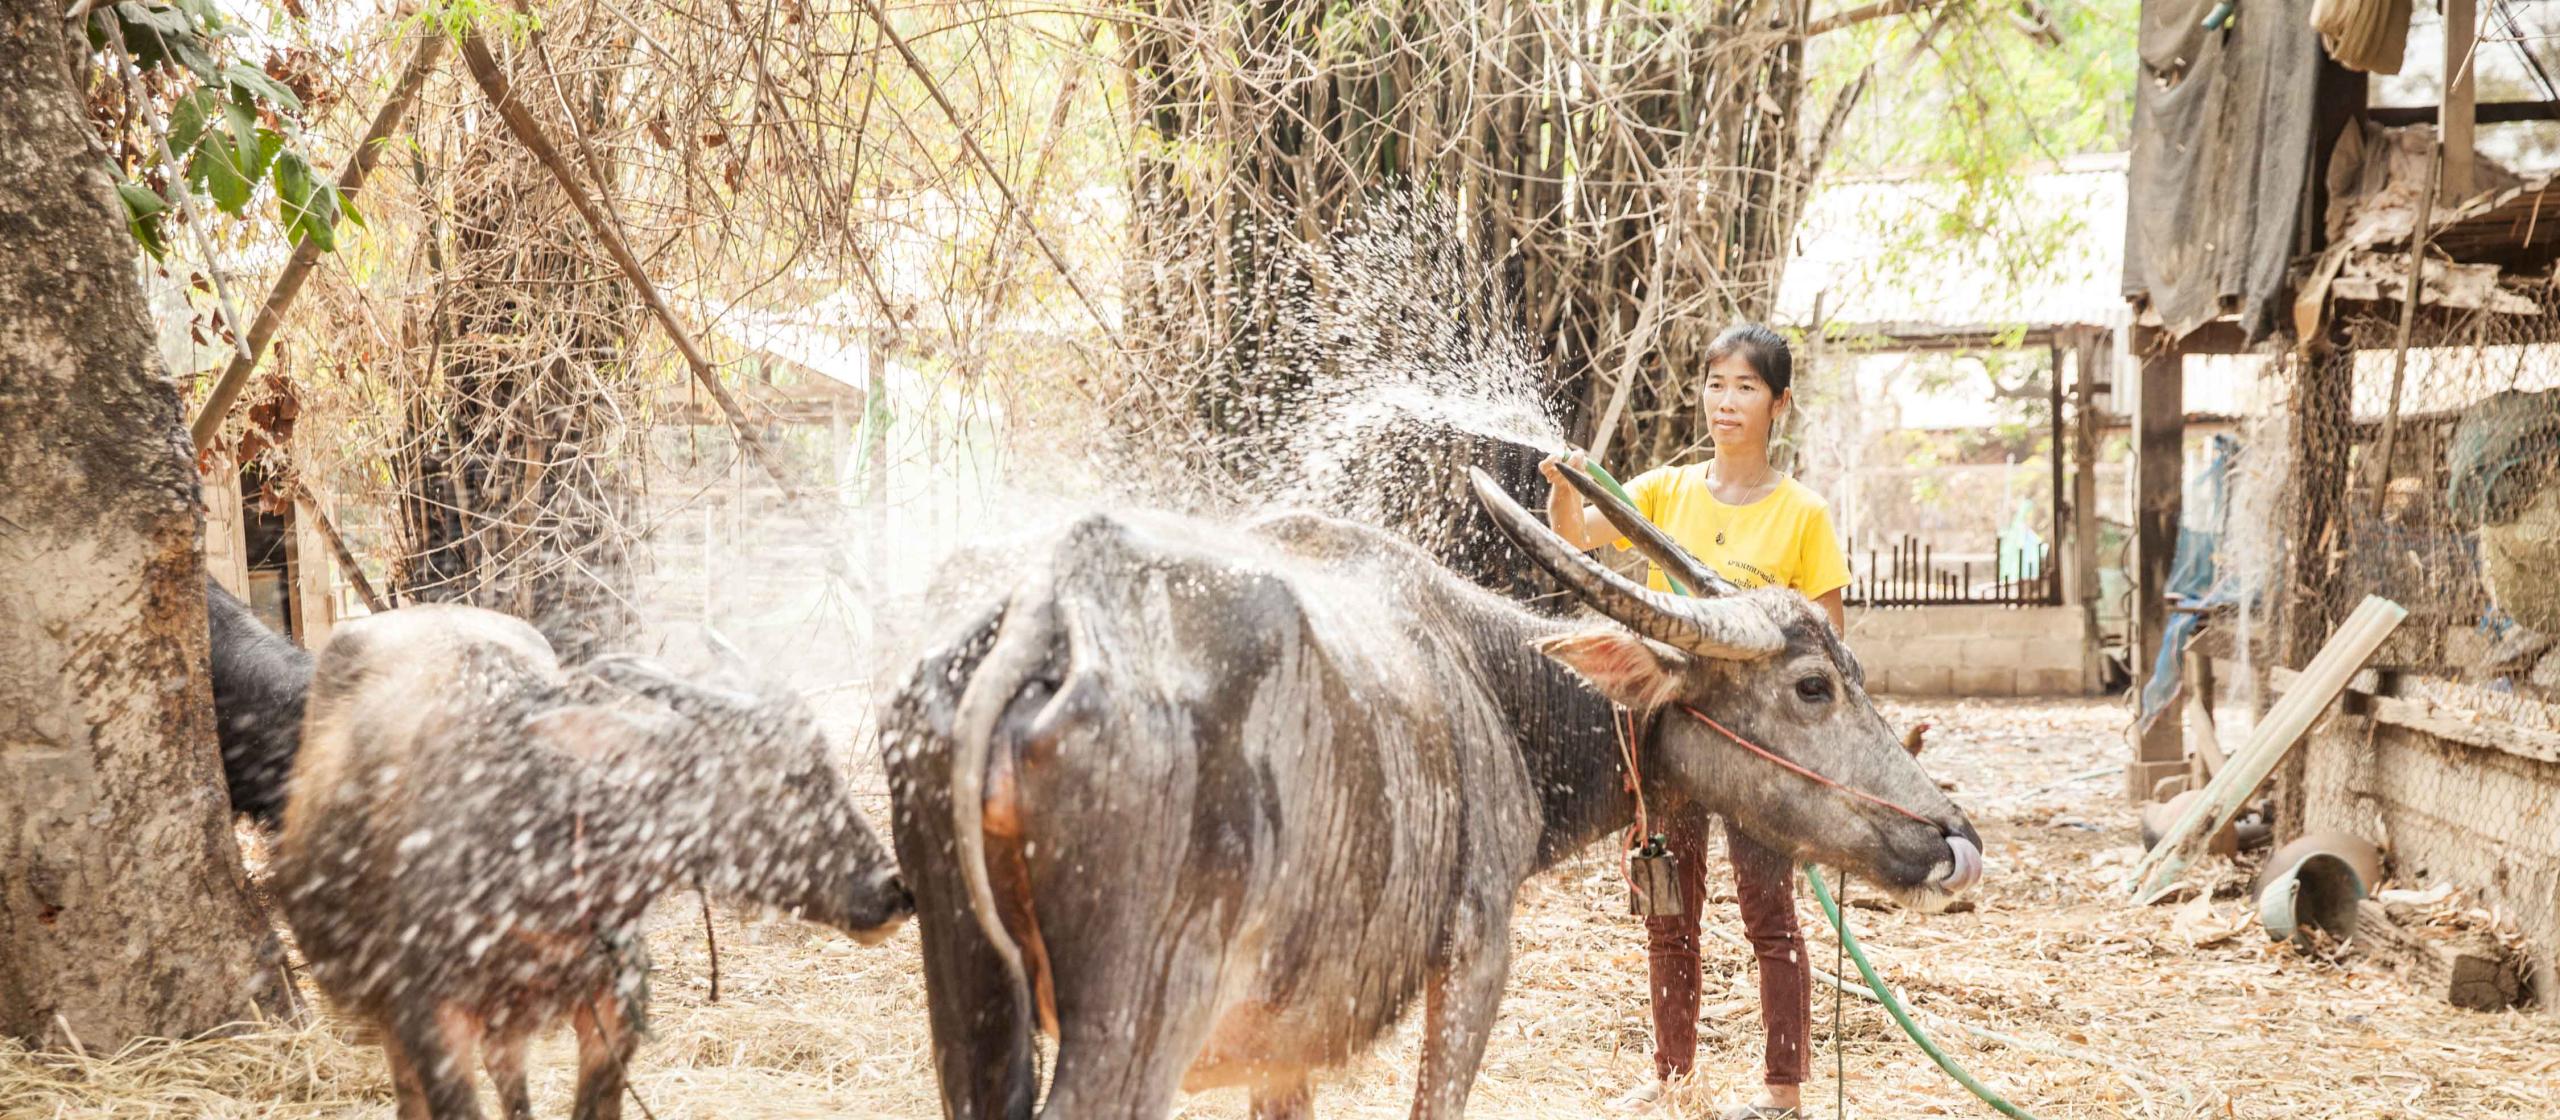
(505, 1063)
(1458, 1011)
(1137, 991)
(605, 1045)
(440, 1043)
(1284, 1100)
(981, 1021)
(406, 1088)
(1131, 1069)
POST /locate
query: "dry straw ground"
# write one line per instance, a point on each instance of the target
(2107, 1010)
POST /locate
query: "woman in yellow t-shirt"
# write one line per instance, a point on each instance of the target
(1759, 527)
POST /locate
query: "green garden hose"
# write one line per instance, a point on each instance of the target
(1601, 475)
(1893, 1006)
(1840, 925)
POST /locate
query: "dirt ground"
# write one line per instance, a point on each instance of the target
(2100, 1009)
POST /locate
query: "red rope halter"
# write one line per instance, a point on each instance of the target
(1809, 775)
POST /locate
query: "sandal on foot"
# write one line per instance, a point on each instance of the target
(1760, 1112)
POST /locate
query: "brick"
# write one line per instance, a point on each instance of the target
(2050, 682)
(2051, 653)
(1993, 653)
(1916, 680)
(1980, 681)
(1948, 651)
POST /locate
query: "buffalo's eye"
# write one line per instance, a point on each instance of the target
(1814, 689)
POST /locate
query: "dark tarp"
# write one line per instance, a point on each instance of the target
(2221, 158)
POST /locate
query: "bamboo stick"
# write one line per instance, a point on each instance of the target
(2347, 650)
(226, 388)
(493, 82)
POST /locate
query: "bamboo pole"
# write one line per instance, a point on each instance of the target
(527, 131)
(2348, 648)
(226, 389)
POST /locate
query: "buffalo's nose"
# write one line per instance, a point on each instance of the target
(906, 899)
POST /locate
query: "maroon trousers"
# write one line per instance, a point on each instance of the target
(1765, 885)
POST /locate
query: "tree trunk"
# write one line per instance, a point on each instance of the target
(124, 910)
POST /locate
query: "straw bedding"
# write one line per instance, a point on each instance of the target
(2100, 1009)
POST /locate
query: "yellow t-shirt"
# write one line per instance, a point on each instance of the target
(1784, 539)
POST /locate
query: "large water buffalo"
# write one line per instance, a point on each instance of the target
(473, 835)
(259, 678)
(1213, 807)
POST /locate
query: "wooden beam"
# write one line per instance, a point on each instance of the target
(2093, 355)
(2471, 718)
(2455, 120)
(2468, 969)
(2159, 459)
(2493, 112)
(2269, 743)
(226, 546)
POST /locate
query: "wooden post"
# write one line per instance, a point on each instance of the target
(307, 575)
(2160, 481)
(226, 548)
(835, 441)
(2317, 448)
(2093, 351)
(307, 505)
(2456, 110)
(2054, 430)
(876, 418)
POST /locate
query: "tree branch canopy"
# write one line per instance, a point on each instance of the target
(1867, 13)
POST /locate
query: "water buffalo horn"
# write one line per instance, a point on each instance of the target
(1650, 541)
(1707, 627)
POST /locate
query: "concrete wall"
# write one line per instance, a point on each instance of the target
(1974, 650)
(2483, 819)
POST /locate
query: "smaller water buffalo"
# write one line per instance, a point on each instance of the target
(1214, 808)
(473, 836)
(259, 678)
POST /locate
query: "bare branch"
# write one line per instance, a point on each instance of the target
(1867, 13)
(527, 131)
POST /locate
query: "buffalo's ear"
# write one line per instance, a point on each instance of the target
(1627, 669)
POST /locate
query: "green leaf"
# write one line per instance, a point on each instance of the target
(246, 81)
(147, 18)
(140, 201)
(147, 233)
(347, 209)
(242, 119)
(270, 142)
(157, 35)
(206, 12)
(143, 208)
(215, 169)
(187, 121)
(310, 208)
